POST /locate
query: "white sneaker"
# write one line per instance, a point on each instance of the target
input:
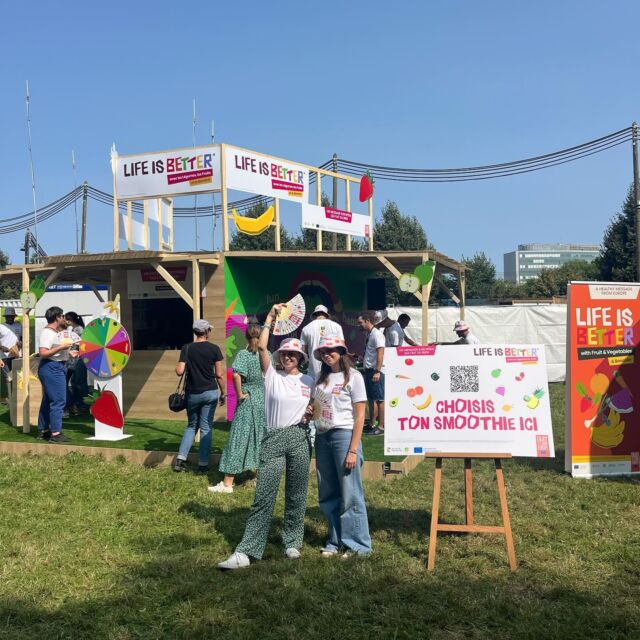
(221, 487)
(348, 554)
(237, 560)
(292, 554)
(328, 553)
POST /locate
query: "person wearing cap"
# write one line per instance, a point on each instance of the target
(373, 376)
(204, 390)
(248, 427)
(392, 331)
(320, 327)
(340, 398)
(288, 396)
(463, 330)
(16, 329)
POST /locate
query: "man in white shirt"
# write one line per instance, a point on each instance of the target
(403, 320)
(373, 376)
(320, 327)
(463, 331)
(392, 331)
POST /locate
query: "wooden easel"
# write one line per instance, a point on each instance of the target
(470, 526)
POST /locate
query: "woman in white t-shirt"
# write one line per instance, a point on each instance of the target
(340, 400)
(288, 397)
(54, 353)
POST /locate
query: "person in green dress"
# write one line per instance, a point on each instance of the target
(242, 450)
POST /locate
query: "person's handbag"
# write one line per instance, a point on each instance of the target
(178, 400)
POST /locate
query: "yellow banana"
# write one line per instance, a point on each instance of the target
(609, 435)
(254, 226)
(425, 404)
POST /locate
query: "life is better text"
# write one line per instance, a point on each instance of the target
(604, 327)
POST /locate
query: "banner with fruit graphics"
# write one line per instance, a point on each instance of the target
(603, 379)
(467, 399)
(335, 220)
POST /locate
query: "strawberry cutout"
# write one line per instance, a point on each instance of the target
(366, 187)
(106, 408)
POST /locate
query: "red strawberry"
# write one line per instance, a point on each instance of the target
(106, 409)
(585, 404)
(366, 187)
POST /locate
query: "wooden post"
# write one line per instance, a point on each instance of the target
(129, 225)
(319, 203)
(160, 237)
(116, 217)
(145, 207)
(26, 364)
(223, 188)
(347, 197)
(171, 224)
(425, 292)
(195, 280)
(470, 526)
(461, 283)
(276, 210)
(371, 223)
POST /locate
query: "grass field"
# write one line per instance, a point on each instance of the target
(90, 549)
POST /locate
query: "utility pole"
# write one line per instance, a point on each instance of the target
(75, 201)
(83, 241)
(27, 246)
(334, 236)
(636, 194)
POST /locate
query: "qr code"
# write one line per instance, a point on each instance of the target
(464, 379)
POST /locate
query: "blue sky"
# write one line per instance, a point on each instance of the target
(415, 84)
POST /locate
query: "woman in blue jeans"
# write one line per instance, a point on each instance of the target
(202, 362)
(341, 398)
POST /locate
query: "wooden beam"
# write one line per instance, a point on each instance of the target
(319, 203)
(214, 261)
(462, 284)
(371, 223)
(26, 365)
(53, 276)
(195, 280)
(276, 208)
(96, 293)
(396, 273)
(448, 291)
(225, 204)
(347, 198)
(129, 225)
(425, 293)
(175, 285)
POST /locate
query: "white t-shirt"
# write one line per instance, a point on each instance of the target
(310, 338)
(375, 340)
(286, 397)
(50, 338)
(394, 335)
(336, 400)
(8, 339)
(468, 339)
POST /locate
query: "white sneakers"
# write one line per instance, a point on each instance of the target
(328, 553)
(221, 487)
(237, 560)
(292, 554)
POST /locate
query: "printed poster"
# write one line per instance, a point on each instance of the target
(603, 380)
(335, 220)
(264, 175)
(168, 173)
(467, 399)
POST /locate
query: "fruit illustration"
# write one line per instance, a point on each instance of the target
(425, 404)
(411, 393)
(409, 282)
(399, 376)
(506, 407)
(599, 383)
(419, 391)
(608, 435)
(254, 226)
(366, 187)
(408, 362)
(534, 400)
(425, 271)
(435, 376)
(500, 391)
(106, 408)
(393, 403)
(520, 376)
(496, 373)
(622, 402)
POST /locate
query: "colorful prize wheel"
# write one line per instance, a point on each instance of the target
(105, 347)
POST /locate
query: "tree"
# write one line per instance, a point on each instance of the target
(553, 282)
(617, 259)
(480, 276)
(398, 232)
(9, 289)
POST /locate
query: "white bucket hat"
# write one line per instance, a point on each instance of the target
(330, 343)
(290, 344)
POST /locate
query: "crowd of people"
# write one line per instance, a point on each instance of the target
(311, 390)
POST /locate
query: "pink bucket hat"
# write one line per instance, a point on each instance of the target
(330, 343)
(290, 344)
(460, 325)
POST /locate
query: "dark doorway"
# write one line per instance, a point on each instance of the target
(161, 324)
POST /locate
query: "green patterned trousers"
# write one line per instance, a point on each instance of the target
(281, 448)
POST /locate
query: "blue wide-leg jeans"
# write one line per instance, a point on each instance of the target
(340, 493)
(53, 377)
(200, 409)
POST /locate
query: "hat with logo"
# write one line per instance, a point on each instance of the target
(330, 343)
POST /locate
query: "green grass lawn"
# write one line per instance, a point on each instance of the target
(90, 549)
(151, 435)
